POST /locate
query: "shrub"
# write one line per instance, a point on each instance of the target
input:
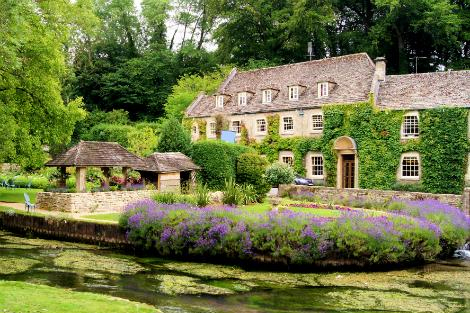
(173, 197)
(217, 160)
(251, 169)
(248, 194)
(174, 138)
(109, 132)
(202, 195)
(232, 193)
(279, 173)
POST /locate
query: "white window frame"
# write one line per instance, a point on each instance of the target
(312, 165)
(242, 98)
(315, 124)
(212, 133)
(258, 131)
(409, 155)
(294, 93)
(237, 129)
(195, 129)
(267, 96)
(283, 129)
(219, 102)
(404, 125)
(323, 90)
(286, 155)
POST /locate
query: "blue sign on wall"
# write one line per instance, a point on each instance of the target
(228, 136)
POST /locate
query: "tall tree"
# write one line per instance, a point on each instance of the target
(32, 63)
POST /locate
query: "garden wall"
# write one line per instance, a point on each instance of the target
(461, 201)
(73, 230)
(89, 202)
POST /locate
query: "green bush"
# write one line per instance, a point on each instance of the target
(174, 138)
(251, 169)
(279, 173)
(248, 194)
(202, 195)
(217, 160)
(109, 132)
(173, 197)
(232, 193)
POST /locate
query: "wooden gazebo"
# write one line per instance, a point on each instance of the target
(104, 155)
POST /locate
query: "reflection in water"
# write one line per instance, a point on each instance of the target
(197, 287)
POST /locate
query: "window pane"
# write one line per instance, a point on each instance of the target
(411, 126)
(288, 160)
(261, 126)
(236, 126)
(317, 166)
(410, 167)
(317, 122)
(288, 123)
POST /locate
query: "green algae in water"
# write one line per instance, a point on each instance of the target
(84, 260)
(173, 285)
(14, 265)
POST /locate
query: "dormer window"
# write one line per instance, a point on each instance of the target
(242, 98)
(267, 96)
(294, 93)
(219, 102)
(323, 90)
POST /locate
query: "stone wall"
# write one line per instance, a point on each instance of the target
(89, 202)
(461, 201)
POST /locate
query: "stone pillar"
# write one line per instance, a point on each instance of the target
(466, 201)
(106, 174)
(62, 177)
(125, 172)
(80, 176)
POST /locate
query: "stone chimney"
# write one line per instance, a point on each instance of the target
(380, 68)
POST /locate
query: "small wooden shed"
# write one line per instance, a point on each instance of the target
(104, 155)
(169, 171)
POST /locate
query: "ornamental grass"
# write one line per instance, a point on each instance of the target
(417, 231)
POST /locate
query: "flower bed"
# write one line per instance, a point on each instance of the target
(415, 232)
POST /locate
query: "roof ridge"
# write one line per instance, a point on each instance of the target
(310, 61)
(428, 73)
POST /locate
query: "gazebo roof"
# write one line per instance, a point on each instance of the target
(99, 154)
(168, 162)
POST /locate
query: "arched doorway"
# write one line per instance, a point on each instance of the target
(347, 173)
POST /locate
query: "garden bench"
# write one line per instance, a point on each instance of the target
(27, 203)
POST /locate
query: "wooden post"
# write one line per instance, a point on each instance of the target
(62, 178)
(125, 172)
(106, 174)
(80, 175)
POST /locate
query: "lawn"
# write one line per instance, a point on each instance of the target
(16, 194)
(109, 217)
(24, 297)
(12, 210)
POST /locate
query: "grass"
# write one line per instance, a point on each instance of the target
(15, 195)
(16, 211)
(24, 297)
(110, 217)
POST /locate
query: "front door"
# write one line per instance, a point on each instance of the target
(348, 170)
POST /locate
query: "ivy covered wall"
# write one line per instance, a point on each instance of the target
(442, 144)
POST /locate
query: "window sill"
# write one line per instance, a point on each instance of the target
(290, 132)
(317, 177)
(409, 178)
(316, 131)
(403, 137)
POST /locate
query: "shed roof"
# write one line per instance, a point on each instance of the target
(351, 76)
(168, 162)
(99, 154)
(425, 90)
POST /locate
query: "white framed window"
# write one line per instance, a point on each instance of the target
(195, 132)
(317, 122)
(323, 90)
(242, 98)
(237, 127)
(286, 157)
(261, 126)
(410, 166)
(287, 124)
(410, 126)
(219, 101)
(267, 96)
(317, 166)
(212, 129)
(294, 93)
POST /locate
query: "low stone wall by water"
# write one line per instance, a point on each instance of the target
(72, 230)
(90, 202)
(461, 201)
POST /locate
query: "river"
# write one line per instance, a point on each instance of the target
(176, 286)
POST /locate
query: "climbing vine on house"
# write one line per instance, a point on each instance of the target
(443, 145)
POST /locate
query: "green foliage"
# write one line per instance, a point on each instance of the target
(217, 160)
(279, 173)
(251, 169)
(174, 138)
(109, 132)
(444, 149)
(202, 195)
(188, 88)
(173, 197)
(232, 194)
(142, 141)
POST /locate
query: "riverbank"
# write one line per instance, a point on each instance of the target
(177, 286)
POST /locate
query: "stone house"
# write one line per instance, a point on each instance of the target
(299, 93)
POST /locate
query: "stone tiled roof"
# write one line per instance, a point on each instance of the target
(99, 154)
(168, 162)
(426, 90)
(351, 75)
